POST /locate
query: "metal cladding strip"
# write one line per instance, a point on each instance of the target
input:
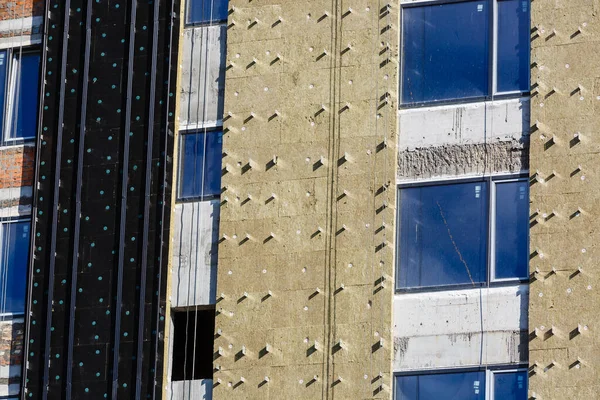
(29, 300)
(61, 110)
(149, 149)
(123, 217)
(161, 258)
(77, 215)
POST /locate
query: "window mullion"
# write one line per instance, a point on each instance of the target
(494, 69)
(492, 232)
(11, 85)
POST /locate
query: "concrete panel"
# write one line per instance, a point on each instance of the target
(463, 124)
(194, 256)
(460, 328)
(202, 84)
(197, 390)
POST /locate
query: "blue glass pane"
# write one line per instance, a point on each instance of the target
(510, 385)
(445, 50)
(513, 45)
(512, 229)
(26, 98)
(452, 386)
(201, 165)
(443, 235)
(206, 11)
(15, 253)
(3, 69)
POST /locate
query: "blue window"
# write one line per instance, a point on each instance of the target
(510, 385)
(513, 46)
(206, 11)
(448, 50)
(19, 94)
(447, 386)
(200, 165)
(15, 256)
(463, 385)
(512, 227)
(445, 237)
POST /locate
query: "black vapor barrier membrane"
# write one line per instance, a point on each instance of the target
(97, 281)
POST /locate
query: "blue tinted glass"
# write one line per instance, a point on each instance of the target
(510, 385)
(26, 97)
(445, 49)
(3, 68)
(15, 253)
(206, 11)
(201, 165)
(513, 45)
(443, 235)
(512, 229)
(455, 386)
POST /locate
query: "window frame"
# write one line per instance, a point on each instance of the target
(182, 133)
(13, 55)
(12, 220)
(215, 22)
(490, 371)
(491, 280)
(493, 94)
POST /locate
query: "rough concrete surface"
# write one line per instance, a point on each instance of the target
(305, 277)
(465, 159)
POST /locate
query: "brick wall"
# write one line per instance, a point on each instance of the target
(10, 9)
(16, 166)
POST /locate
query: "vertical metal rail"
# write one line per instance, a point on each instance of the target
(149, 149)
(165, 177)
(123, 216)
(59, 134)
(77, 215)
(29, 294)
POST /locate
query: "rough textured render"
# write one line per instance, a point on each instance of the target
(565, 215)
(194, 253)
(305, 278)
(466, 159)
(202, 77)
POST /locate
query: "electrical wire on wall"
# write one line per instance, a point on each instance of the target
(197, 217)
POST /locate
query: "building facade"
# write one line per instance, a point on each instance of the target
(354, 199)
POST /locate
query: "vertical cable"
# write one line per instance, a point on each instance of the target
(52, 253)
(77, 214)
(148, 182)
(165, 178)
(123, 216)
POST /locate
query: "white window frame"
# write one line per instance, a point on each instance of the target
(492, 233)
(489, 377)
(493, 60)
(492, 180)
(206, 130)
(3, 223)
(13, 59)
(215, 22)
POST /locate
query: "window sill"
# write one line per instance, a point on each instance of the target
(449, 288)
(465, 101)
(204, 24)
(197, 199)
